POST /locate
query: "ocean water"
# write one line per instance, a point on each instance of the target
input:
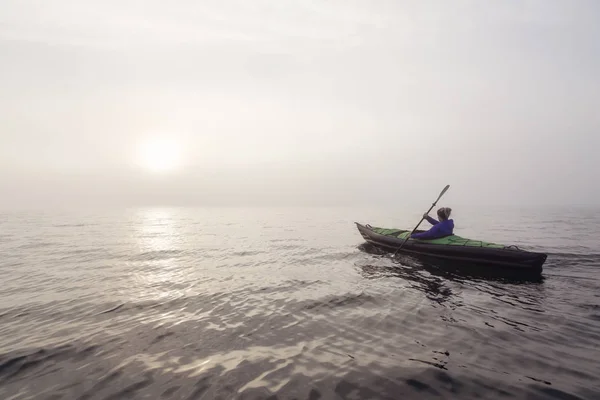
(182, 303)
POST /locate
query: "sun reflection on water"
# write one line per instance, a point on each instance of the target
(158, 270)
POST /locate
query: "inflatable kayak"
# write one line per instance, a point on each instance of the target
(456, 248)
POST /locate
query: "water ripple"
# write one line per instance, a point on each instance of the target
(184, 304)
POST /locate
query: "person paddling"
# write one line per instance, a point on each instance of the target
(441, 228)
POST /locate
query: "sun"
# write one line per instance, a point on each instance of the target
(160, 155)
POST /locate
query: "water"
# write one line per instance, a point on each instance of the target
(285, 303)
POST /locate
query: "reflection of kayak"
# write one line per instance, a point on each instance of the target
(456, 248)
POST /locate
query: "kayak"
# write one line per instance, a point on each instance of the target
(457, 249)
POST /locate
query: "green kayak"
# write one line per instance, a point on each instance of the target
(456, 248)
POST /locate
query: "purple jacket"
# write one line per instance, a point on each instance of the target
(438, 230)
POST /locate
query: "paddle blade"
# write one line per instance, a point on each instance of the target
(442, 193)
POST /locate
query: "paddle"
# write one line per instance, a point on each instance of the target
(422, 218)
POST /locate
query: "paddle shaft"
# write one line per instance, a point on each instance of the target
(422, 218)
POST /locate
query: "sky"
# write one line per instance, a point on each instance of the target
(281, 102)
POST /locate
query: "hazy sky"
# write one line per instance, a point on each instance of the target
(281, 101)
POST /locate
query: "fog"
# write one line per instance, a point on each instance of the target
(280, 102)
